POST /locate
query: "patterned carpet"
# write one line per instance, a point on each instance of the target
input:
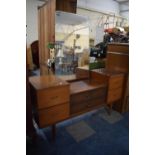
(94, 133)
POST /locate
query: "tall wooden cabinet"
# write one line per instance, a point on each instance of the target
(118, 60)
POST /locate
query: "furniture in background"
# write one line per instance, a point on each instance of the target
(118, 60)
(35, 53)
(66, 5)
(115, 75)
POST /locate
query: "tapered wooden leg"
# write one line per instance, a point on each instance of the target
(108, 108)
(53, 132)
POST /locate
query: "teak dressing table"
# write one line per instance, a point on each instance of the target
(55, 99)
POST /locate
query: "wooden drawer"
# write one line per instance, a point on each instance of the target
(78, 107)
(80, 97)
(101, 92)
(52, 96)
(85, 96)
(86, 105)
(114, 95)
(81, 73)
(96, 102)
(116, 82)
(54, 114)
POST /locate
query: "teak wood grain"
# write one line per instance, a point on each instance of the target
(50, 97)
(53, 115)
(116, 82)
(118, 60)
(46, 33)
(88, 98)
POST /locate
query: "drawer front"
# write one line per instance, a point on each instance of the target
(114, 95)
(52, 115)
(81, 73)
(86, 105)
(96, 102)
(101, 92)
(81, 97)
(78, 107)
(85, 96)
(53, 96)
(116, 82)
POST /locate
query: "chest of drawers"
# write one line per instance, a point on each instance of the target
(86, 98)
(115, 88)
(114, 81)
(50, 98)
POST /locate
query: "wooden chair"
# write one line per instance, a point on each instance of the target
(35, 53)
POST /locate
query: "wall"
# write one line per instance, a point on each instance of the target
(124, 7)
(110, 14)
(108, 6)
(32, 20)
(32, 26)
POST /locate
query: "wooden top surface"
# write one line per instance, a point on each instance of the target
(107, 72)
(67, 77)
(46, 81)
(82, 86)
(120, 44)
